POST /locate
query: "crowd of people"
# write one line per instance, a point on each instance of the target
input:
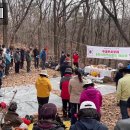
(16, 58)
(81, 101)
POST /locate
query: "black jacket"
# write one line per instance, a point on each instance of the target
(63, 68)
(88, 124)
(118, 76)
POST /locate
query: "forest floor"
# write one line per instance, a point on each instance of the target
(110, 111)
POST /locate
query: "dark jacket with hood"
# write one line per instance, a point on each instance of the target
(48, 125)
(88, 124)
(12, 119)
(63, 68)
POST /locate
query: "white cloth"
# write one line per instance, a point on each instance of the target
(103, 72)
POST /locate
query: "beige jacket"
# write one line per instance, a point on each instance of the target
(123, 88)
(75, 89)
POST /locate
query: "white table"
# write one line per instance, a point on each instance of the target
(103, 72)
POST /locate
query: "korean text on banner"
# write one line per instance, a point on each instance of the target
(117, 53)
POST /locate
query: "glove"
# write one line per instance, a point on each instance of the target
(3, 105)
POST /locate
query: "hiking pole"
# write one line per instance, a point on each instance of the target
(3, 115)
(13, 96)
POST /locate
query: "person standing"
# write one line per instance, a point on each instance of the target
(22, 56)
(7, 61)
(119, 74)
(17, 60)
(43, 58)
(28, 60)
(76, 59)
(64, 83)
(125, 123)
(62, 58)
(75, 88)
(36, 57)
(2, 66)
(91, 94)
(123, 92)
(43, 87)
(66, 64)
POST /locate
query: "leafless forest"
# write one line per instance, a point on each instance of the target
(69, 25)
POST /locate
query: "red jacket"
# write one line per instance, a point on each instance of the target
(64, 83)
(75, 58)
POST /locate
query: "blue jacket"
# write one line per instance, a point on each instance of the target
(88, 124)
(43, 55)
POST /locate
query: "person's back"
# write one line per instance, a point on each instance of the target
(11, 118)
(43, 86)
(63, 67)
(87, 118)
(88, 124)
(92, 94)
(123, 124)
(49, 119)
(48, 125)
(75, 89)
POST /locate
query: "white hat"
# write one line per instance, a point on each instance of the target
(44, 72)
(87, 81)
(87, 104)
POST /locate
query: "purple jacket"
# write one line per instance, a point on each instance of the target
(92, 94)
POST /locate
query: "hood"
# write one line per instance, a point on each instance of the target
(91, 92)
(42, 79)
(47, 124)
(87, 123)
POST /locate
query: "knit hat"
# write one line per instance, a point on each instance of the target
(87, 104)
(12, 106)
(68, 70)
(48, 111)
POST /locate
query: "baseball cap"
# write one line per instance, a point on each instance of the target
(87, 104)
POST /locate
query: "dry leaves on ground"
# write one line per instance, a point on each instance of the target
(24, 78)
(110, 111)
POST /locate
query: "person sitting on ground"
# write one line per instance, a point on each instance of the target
(11, 118)
(125, 123)
(87, 118)
(64, 83)
(91, 94)
(119, 74)
(50, 120)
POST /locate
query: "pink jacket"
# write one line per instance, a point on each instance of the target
(92, 94)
